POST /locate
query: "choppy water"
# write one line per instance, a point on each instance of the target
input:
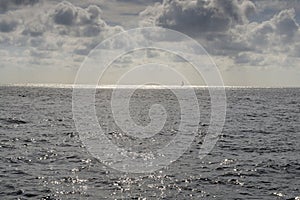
(258, 156)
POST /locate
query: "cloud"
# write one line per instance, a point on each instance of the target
(8, 25)
(285, 23)
(34, 29)
(276, 33)
(295, 50)
(58, 34)
(63, 19)
(139, 1)
(276, 6)
(226, 28)
(65, 13)
(197, 17)
(13, 4)
(268, 41)
(80, 22)
(249, 58)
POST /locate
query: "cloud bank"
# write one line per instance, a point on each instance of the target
(226, 28)
(198, 17)
(54, 35)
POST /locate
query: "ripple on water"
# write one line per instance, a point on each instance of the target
(257, 156)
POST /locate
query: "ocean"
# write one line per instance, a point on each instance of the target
(256, 157)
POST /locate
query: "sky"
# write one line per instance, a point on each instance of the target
(253, 43)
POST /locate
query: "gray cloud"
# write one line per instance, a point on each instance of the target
(13, 4)
(65, 13)
(78, 21)
(224, 28)
(34, 29)
(277, 36)
(278, 32)
(59, 34)
(276, 5)
(140, 1)
(249, 58)
(8, 24)
(197, 17)
(285, 23)
(295, 52)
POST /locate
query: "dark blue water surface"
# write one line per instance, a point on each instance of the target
(257, 157)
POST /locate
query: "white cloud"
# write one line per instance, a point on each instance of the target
(41, 33)
(57, 32)
(224, 28)
(197, 17)
(277, 36)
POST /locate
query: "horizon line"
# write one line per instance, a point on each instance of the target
(148, 86)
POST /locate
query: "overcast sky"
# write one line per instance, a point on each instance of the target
(253, 43)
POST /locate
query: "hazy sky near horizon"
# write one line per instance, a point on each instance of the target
(253, 43)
